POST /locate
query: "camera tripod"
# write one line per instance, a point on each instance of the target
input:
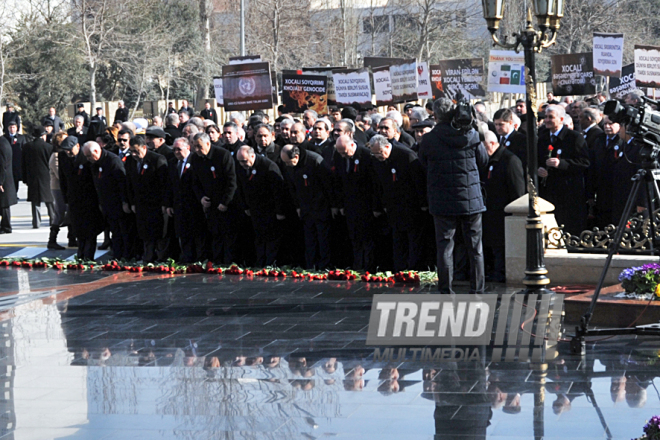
(649, 175)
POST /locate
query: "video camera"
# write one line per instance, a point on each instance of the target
(465, 115)
(642, 122)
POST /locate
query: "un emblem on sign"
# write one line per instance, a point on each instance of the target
(247, 86)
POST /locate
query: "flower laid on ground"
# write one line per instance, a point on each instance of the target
(207, 267)
(642, 280)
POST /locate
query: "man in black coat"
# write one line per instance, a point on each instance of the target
(589, 126)
(98, 122)
(172, 127)
(452, 159)
(320, 137)
(36, 175)
(264, 135)
(186, 108)
(401, 192)
(80, 111)
(80, 195)
(121, 114)
(309, 180)
(389, 128)
(563, 162)
(230, 137)
(209, 113)
(16, 141)
(215, 188)
(156, 142)
(183, 206)
(504, 182)
(261, 188)
(509, 137)
(355, 199)
(9, 116)
(110, 182)
(79, 130)
(603, 157)
(7, 187)
(58, 124)
(146, 176)
(359, 136)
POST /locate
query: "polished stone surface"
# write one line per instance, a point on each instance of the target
(124, 356)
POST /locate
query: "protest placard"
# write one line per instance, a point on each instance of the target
(573, 74)
(247, 86)
(305, 92)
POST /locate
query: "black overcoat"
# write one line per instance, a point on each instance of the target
(189, 218)
(110, 182)
(400, 188)
(8, 196)
(564, 187)
(35, 170)
(354, 186)
(504, 182)
(261, 191)
(147, 180)
(79, 193)
(310, 185)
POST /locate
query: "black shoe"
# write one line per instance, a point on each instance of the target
(105, 246)
(55, 247)
(5, 231)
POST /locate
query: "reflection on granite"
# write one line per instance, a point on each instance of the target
(218, 357)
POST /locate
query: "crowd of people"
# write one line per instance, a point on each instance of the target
(353, 188)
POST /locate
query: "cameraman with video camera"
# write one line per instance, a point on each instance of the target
(453, 154)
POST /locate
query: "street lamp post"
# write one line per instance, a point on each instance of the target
(548, 14)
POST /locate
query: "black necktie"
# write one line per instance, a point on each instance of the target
(180, 167)
(553, 138)
(502, 140)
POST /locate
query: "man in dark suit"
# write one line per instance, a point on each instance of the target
(320, 136)
(354, 198)
(58, 124)
(79, 130)
(504, 182)
(98, 122)
(186, 108)
(521, 111)
(215, 188)
(7, 187)
(509, 137)
(156, 142)
(16, 141)
(80, 110)
(401, 193)
(389, 128)
(359, 136)
(603, 157)
(209, 113)
(261, 189)
(182, 204)
(147, 178)
(308, 178)
(36, 175)
(121, 114)
(110, 182)
(172, 127)
(589, 125)
(563, 161)
(11, 115)
(81, 197)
